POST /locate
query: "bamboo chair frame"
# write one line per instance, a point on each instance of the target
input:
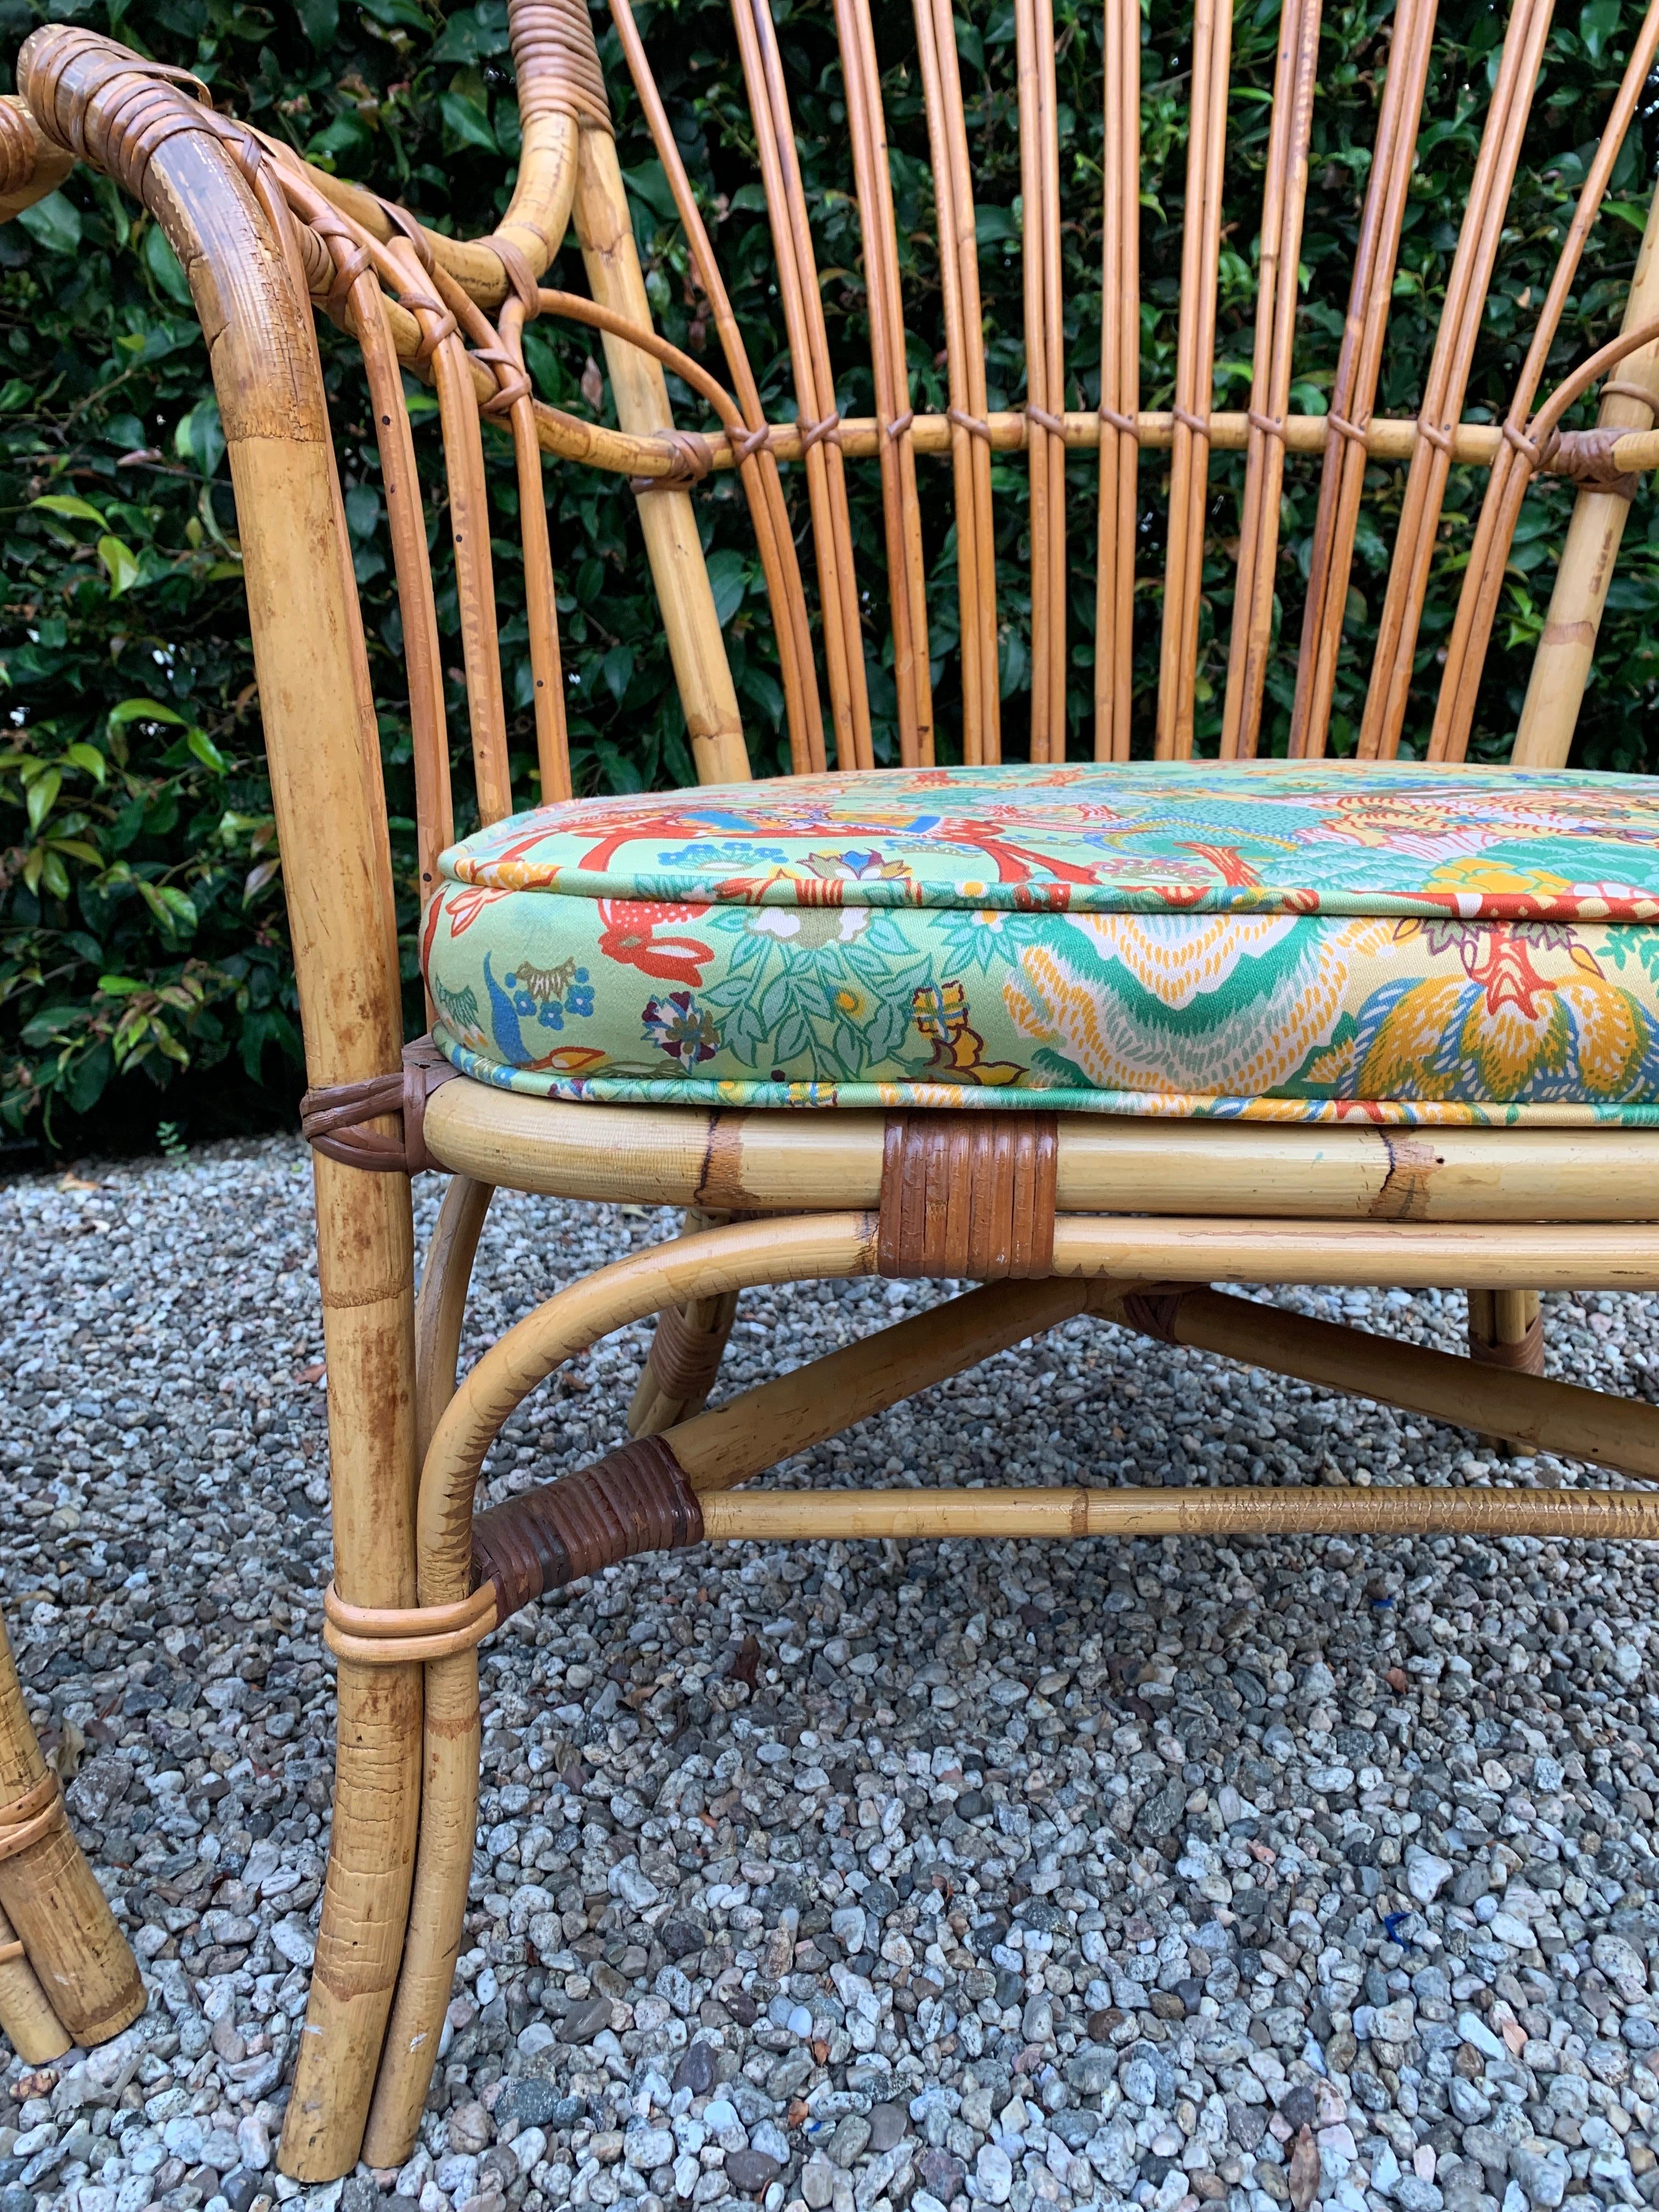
(1058, 1217)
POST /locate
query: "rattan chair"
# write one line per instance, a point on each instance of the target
(1123, 1152)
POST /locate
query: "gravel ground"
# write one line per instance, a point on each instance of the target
(853, 1876)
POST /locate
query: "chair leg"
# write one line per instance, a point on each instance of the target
(75, 1979)
(1506, 1330)
(685, 1354)
(437, 1912)
(366, 1262)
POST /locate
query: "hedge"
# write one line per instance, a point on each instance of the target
(144, 973)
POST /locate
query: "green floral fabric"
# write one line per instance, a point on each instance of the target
(1394, 942)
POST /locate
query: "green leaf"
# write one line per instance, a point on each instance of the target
(207, 752)
(469, 123)
(88, 758)
(617, 670)
(162, 264)
(143, 710)
(728, 578)
(473, 34)
(42, 796)
(320, 22)
(649, 182)
(120, 563)
(54, 222)
(67, 503)
(200, 436)
(1597, 21)
(397, 15)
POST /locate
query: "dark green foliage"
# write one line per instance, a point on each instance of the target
(141, 922)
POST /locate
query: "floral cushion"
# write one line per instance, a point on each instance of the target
(1394, 942)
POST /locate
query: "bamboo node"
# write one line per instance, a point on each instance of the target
(637, 1498)
(27, 1817)
(969, 1195)
(333, 1115)
(404, 1636)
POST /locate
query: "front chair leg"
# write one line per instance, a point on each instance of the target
(1506, 1330)
(366, 1262)
(66, 1973)
(685, 1354)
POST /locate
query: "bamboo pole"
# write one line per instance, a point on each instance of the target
(1522, 1409)
(1562, 660)
(845, 1517)
(1447, 380)
(1465, 652)
(687, 1346)
(440, 1304)
(34, 2029)
(801, 1163)
(907, 582)
(667, 519)
(1415, 1256)
(1120, 385)
(965, 431)
(1284, 199)
(84, 1976)
(31, 167)
(790, 1415)
(716, 1261)
(772, 527)
(1200, 249)
(1353, 390)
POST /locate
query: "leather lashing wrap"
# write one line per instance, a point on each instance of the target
(967, 1195)
(1153, 1313)
(556, 62)
(1524, 1356)
(684, 1360)
(334, 1117)
(635, 1499)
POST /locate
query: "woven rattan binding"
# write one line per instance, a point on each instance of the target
(335, 1117)
(683, 1360)
(27, 1817)
(1525, 1354)
(1153, 1313)
(967, 1195)
(634, 1499)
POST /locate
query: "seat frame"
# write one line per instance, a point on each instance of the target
(1059, 1217)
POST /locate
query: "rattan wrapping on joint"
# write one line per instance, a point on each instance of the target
(1525, 1353)
(967, 1195)
(557, 62)
(27, 1817)
(635, 1499)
